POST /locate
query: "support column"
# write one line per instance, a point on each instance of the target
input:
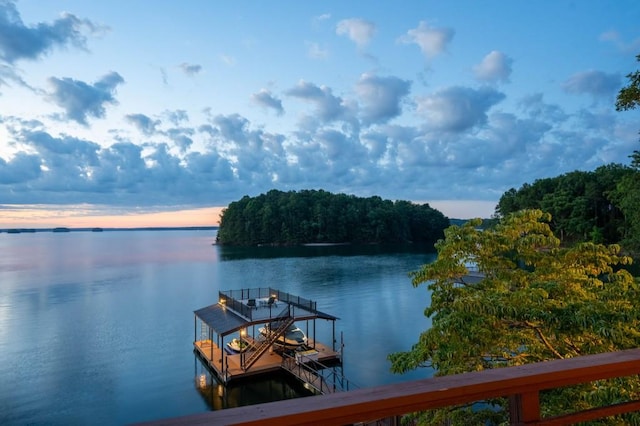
(524, 408)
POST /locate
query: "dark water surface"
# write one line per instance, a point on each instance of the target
(97, 328)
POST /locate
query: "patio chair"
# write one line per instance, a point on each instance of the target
(252, 304)
(272, 301)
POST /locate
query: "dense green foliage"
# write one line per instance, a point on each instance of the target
(537, 301)
(284, 218)
(627, 197)
(584, 206)
(629, 96)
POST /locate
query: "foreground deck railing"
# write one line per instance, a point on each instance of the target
(520, 384)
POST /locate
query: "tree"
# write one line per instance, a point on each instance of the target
(627, 193)
(536, 301)
(629, 96)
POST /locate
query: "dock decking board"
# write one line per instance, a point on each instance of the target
(270, 361)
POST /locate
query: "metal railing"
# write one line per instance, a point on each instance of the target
(322, 378)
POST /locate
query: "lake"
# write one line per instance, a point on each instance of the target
(97, 327)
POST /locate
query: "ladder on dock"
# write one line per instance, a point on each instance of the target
(320, 377)
(262, 346)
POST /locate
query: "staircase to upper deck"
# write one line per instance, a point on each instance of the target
(284, 320)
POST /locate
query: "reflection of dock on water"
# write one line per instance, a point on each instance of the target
(244, 313)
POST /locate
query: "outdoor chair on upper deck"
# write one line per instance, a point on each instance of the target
(252, 304)
(272, 301)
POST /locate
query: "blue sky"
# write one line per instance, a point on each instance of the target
(110, 108)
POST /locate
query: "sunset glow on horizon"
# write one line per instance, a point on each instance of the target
(64, 216)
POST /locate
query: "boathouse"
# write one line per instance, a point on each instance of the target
(247, 313)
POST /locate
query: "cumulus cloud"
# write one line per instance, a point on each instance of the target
(267, 100)
(81, 100)
(143, 123)
(595, 83)
(457, 109)
(358, 30)
(431, 40)
(329, 107)
(177, 116)
(20, 169)
(494, 67)
(381, 97)
(535, 106)
(19, 41)
(190, 69)
(181, 137)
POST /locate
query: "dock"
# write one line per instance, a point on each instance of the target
(243, 313)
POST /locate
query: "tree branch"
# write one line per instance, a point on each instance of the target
(544, 339)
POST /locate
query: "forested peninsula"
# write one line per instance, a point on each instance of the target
(318, 216)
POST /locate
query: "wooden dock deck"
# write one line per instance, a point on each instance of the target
(270, 361)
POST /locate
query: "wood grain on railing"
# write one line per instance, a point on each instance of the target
(520, 384)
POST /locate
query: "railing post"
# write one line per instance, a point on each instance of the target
(524, 408)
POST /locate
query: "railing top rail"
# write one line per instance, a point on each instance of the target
(400, 398)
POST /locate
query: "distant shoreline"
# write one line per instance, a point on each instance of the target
(98, 229)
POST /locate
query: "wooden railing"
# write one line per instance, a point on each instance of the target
(520, 384)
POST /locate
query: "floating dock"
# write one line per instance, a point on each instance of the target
(242, 313)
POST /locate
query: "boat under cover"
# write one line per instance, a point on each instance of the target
(292, 338)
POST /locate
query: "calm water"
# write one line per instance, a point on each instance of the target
(97, 328)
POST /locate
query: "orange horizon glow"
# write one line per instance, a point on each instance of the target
(41, 217)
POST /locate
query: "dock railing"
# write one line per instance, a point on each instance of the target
(322, 378)
(521, 385)
(234, 299)
(294, 300)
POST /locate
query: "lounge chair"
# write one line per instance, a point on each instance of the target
(252, 304)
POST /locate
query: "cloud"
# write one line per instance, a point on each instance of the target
(228, 60)
(20, 169)
(615, 38)
(431, 40)
(322, 17)
(457, 109)
(81, 100)
(265, 99)
(18, 41)
(190, 69)
(358, 30)
(381, 97)
(181, 137)
(176, 117)
(329, 107)
(143, 123)
(534, 106)
(496, 66)
(595, 83)
(315, 51)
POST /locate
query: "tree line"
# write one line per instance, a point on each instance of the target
(598, 206)
(318, 216)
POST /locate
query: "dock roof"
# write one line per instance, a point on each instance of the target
(224, 321)
(233, 314)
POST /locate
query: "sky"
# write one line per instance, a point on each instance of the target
(164, 112)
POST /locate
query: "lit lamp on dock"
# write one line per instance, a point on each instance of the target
(202, 381)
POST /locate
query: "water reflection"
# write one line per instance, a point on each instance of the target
(267, 252)
(256, 390)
